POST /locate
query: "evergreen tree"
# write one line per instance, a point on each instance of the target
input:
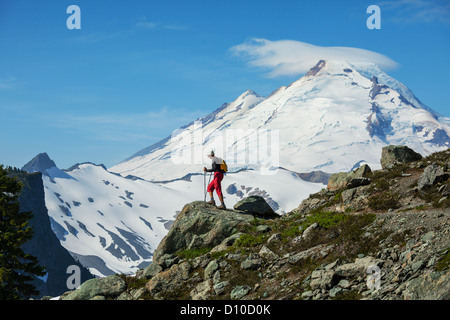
(17, 269)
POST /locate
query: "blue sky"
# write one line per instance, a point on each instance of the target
(137, 70)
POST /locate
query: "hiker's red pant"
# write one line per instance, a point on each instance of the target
(215, 184)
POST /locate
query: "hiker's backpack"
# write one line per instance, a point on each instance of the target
(223, 167)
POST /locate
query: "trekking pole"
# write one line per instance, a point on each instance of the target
(204, 186)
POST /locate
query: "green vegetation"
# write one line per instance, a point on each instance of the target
(249, 240)
(384, 201)
(444, 261)
(192, 253)
(17, 269)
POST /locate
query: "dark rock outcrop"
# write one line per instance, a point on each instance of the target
(255, 205)
(394, 155)
(40, 163)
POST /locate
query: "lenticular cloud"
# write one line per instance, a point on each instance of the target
(290, 57)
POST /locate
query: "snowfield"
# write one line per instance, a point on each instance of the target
(112, 224)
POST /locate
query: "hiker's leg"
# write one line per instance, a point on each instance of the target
(218, 187)
(210, 190)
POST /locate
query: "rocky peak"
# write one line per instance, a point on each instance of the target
(40, 163)
(314, 70)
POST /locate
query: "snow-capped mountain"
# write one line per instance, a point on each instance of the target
(111, 224)
(332, 119)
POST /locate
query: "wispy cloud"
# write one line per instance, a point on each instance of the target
(123, 126)
(7, 83)
(418, 11)
(157, 25)
(290, 57)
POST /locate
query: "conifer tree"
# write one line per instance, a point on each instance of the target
(17, 269)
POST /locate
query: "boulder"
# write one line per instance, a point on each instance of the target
(202, 291)
(429, 286)
(152, 270)
(431, 174)
(356, 178)
(358, 268)
(111, 286)
(200, 225)
(394, 155)
(239, 292)
(169, 280)
(252, 262)
(255, 205)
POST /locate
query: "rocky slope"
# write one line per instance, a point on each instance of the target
(380, 234)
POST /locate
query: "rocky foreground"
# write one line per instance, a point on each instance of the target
(381, 234)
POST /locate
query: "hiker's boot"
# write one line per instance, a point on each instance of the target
(211, 202)
(222, 206)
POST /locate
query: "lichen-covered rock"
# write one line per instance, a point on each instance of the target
(431, 175)
(394, 155)
(356, 178)
(429, 286)
(111, 286)
(200, 225)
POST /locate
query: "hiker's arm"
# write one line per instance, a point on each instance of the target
(213, 169)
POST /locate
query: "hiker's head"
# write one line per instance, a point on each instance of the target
(211, 154)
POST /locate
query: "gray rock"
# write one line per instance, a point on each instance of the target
(345, 284)
(111, 286)
(352, 179)
(263, 228)
(357, 268)
(255, 205)
(274, 238)
(152, 270)
(335, 291)
(212, 267)
(168, 260)
(429, 286)
(201, 222)
(252, 262)
(431, 175)
(268, 254)
(308, 231)
(323, 279)
(417, 265)
(239, 292)
(394, 155)
(202, 291)
(220, 287)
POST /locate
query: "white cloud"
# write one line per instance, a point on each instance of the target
(290, 57)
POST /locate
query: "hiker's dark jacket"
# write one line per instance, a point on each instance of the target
(215, 165)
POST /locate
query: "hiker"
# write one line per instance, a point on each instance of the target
(215, 183)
